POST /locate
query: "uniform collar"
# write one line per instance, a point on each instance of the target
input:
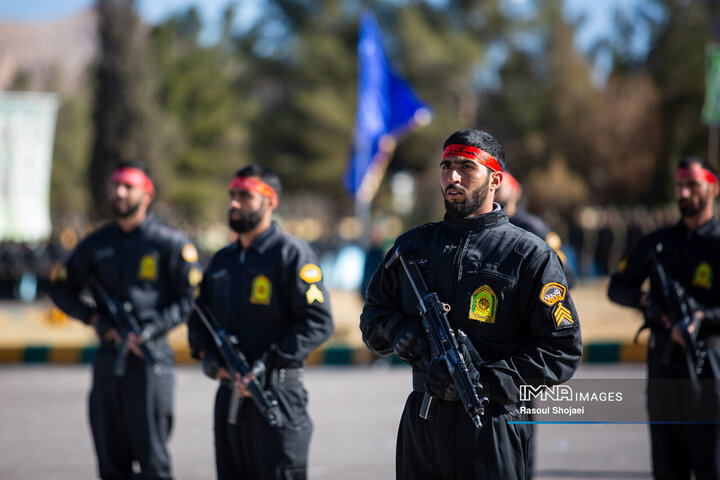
(265, 239)
(144, 225)
(703, 230)
(487, 220)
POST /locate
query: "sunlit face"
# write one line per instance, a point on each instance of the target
(245, 209)
(466, 185)
(126, 199)
(693, 194)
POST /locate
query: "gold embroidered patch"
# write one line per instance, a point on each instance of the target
(260, 290)
(189, 253)
(194, 276)
(563, 317)
(311, 273)
(314, 294)
(58, 273)
(703, 276)
(552, 293)
(148, 270)
(483, 305)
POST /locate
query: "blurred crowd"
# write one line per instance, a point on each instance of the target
(594, 241)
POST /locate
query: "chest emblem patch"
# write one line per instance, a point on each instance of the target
(483, 305)
(311, 273)
(148, 270)
(703, 276)
(260, 290)
(189, 253)
(314, 294)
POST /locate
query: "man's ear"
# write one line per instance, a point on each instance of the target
(273, 202)
(495, 180)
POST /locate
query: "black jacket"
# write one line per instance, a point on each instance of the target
(153, 268)
(692, 257)
(270, 296)
(506, 289)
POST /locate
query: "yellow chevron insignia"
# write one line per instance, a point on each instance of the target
(483, 305)
(563, 317)
(314, 294)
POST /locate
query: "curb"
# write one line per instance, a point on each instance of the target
(334, 354)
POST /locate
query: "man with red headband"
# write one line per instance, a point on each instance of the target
(683, 406)
(266, 291)
(506, 290)
(150, 271)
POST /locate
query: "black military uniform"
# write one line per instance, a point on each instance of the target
(269, 296)
(675, 393)
(151, 271)
(508, 292)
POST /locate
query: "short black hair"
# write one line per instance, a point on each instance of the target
(478, 139)
(266, 174)
(136, 165)
(687, 161)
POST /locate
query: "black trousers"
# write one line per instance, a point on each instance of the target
(131, 417)
(252, 449)
(448, 446)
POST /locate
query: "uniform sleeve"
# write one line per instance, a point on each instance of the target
(199, 339)
(70, 281)
(381, 317)
(309, 302)
(184, 276)
(553, 349)
(625, 283)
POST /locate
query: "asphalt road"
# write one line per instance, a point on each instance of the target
(44, 433)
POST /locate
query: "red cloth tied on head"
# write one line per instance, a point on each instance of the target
(253, 185)
(473, 153)
(511, 181)
(696, 172)
(132, 176)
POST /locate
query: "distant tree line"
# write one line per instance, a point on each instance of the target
(283, 93)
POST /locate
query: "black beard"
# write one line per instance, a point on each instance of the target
(472, 204)
(687, 209)
(128, 213)
(247, 222)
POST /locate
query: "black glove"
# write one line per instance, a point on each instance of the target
(439, 383)
(410, 345)
(210, 364)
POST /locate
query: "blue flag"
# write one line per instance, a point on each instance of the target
(387, 108)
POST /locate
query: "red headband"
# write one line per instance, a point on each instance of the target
(132, 176)
(697, 172)
(252, 185)
(472, 153)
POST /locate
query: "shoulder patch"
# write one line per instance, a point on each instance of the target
(553, 239)
(483, 305)
(189, 253)
(552, 293)
(311, 273)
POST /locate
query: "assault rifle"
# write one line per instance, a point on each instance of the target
(125, 323)
(680, 313)
(443, 343)
(235, 362)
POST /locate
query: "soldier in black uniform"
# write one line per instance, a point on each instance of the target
(690, 252)
(150, 270)
(507, 291)
(265, 290)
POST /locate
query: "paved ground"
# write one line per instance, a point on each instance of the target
(44, 431)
